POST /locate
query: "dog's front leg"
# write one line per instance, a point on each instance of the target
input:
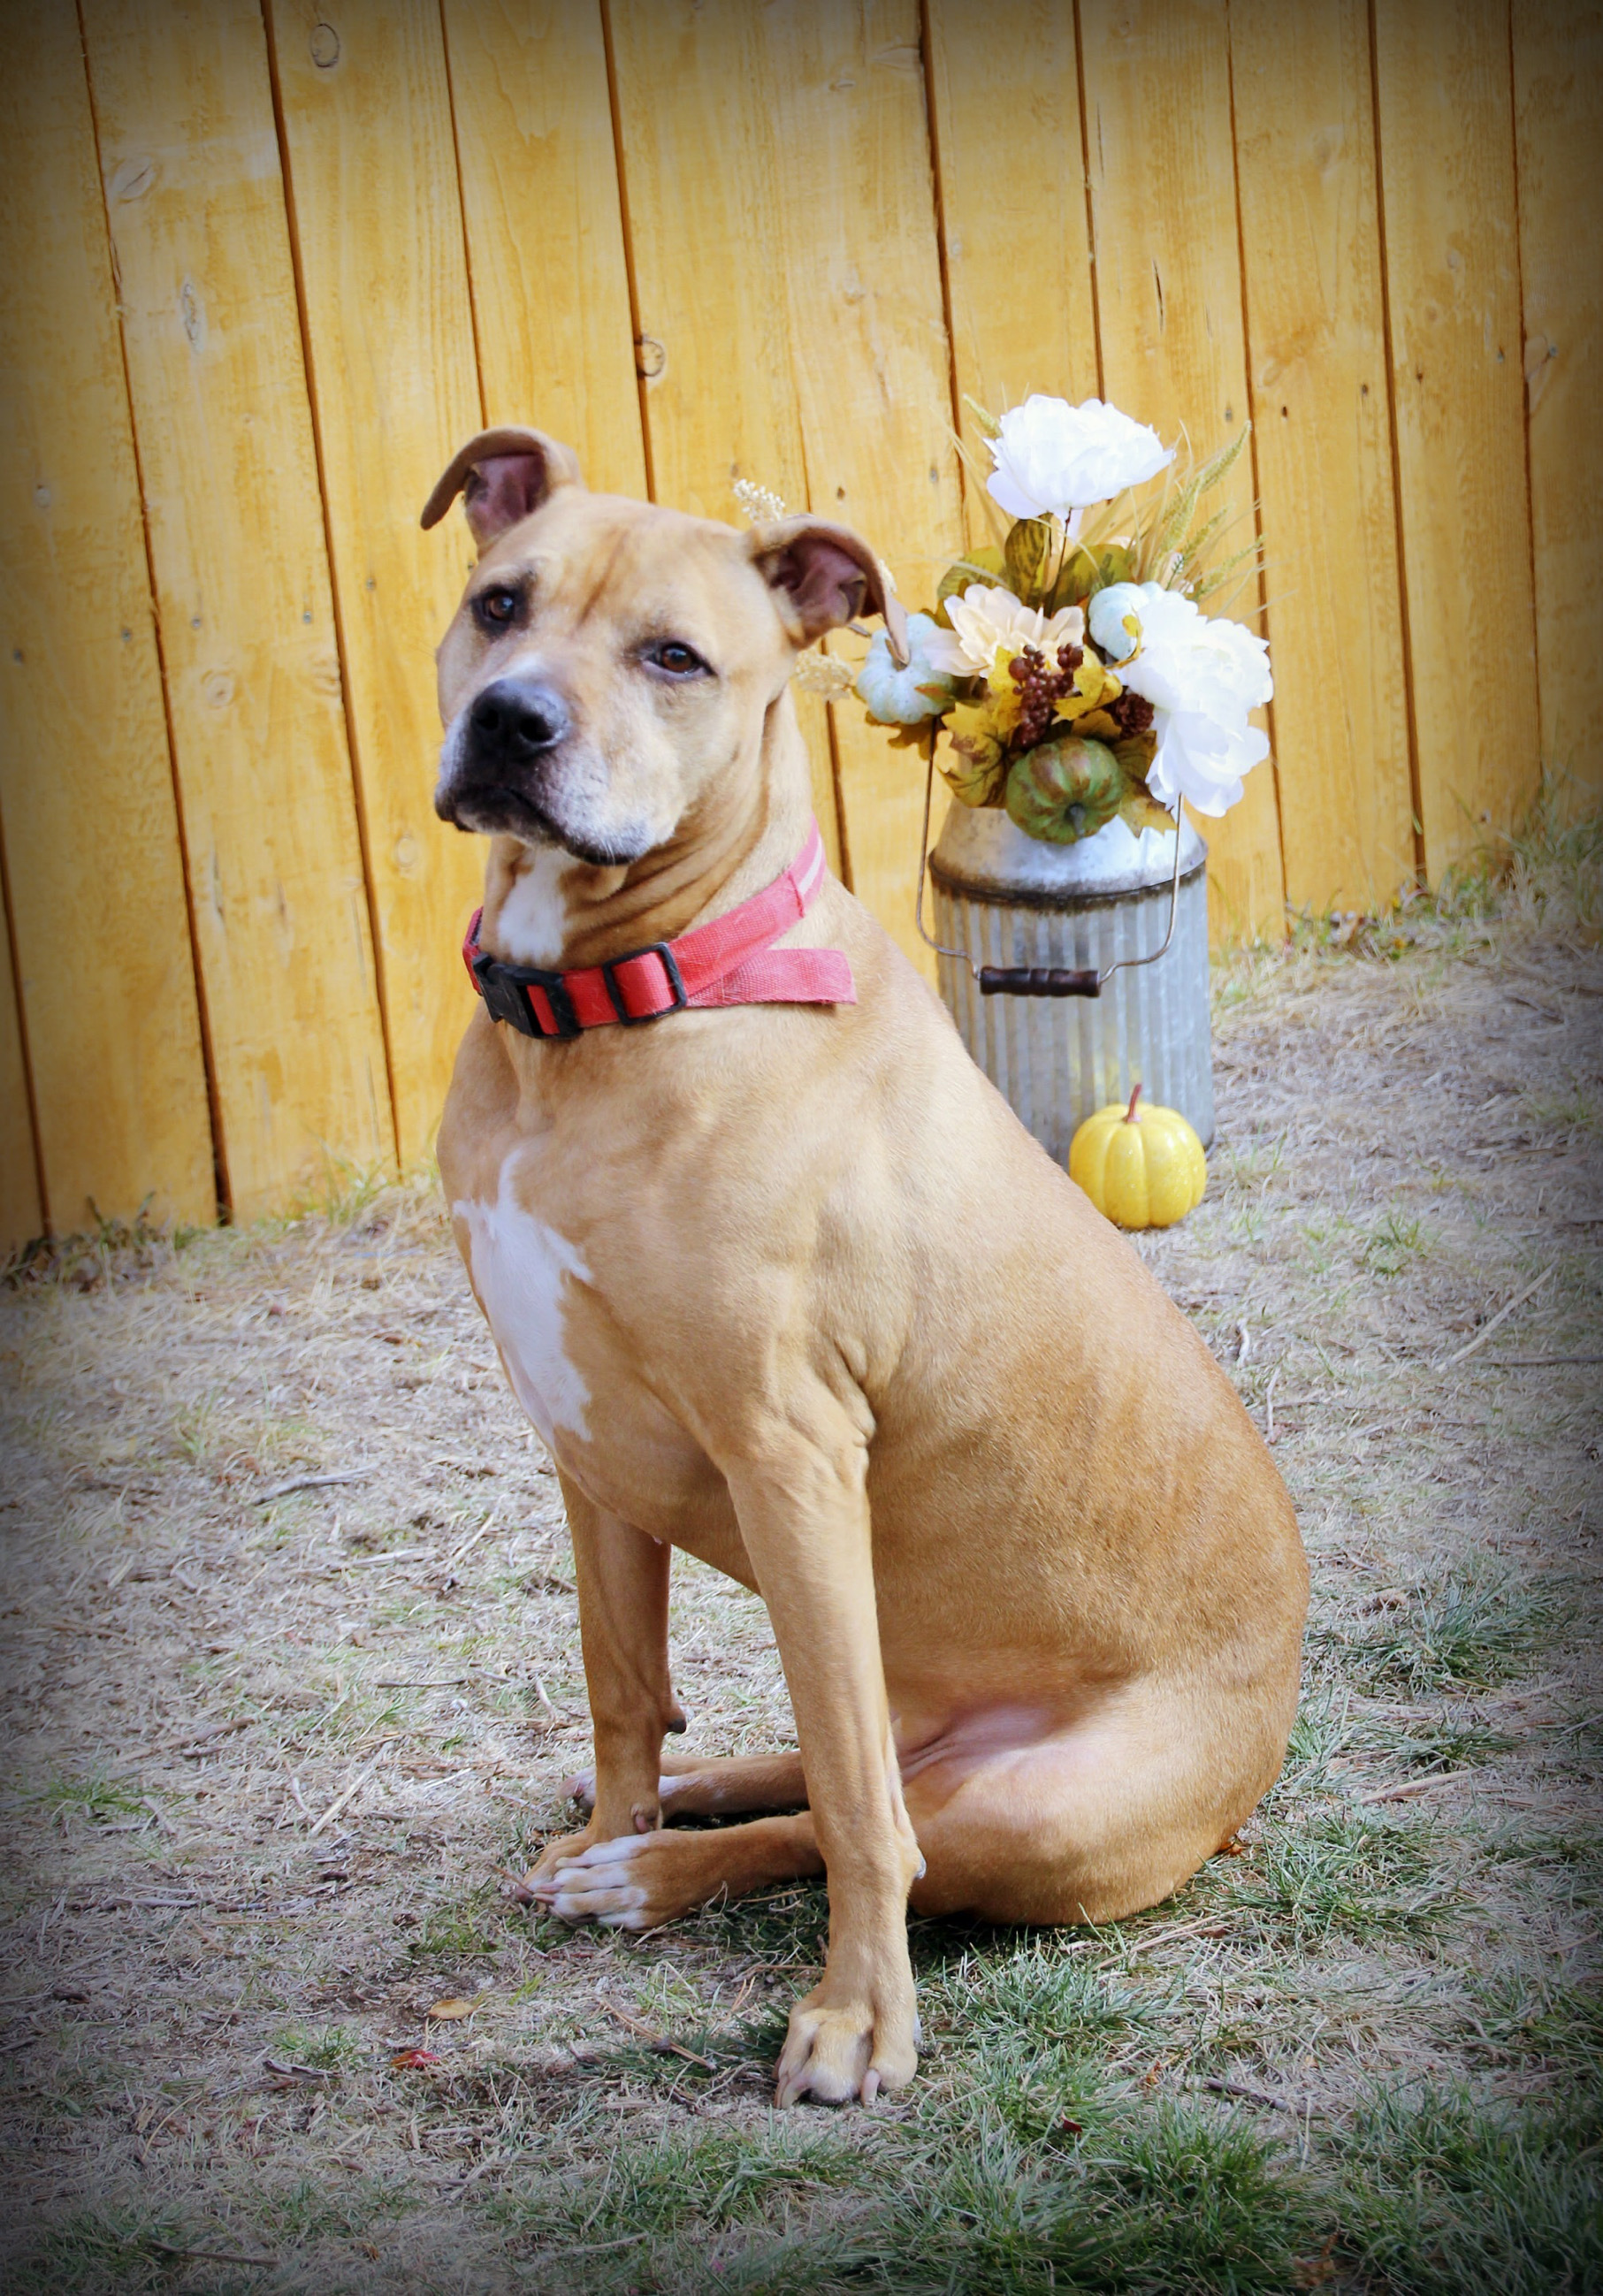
(622, 1580)
(803, 1512)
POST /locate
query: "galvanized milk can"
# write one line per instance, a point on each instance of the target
(1101, 909)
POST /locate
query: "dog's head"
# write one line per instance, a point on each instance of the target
(611, 662)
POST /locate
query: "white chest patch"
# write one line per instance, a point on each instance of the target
(532, 922)
(521, 1269)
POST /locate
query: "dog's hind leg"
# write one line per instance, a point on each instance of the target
(1094, 1821)
(741, 1785)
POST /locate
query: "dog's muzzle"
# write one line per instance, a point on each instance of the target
(515, 721)
(498, 780)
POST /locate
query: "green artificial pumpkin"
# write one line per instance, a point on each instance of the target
(1066, 790)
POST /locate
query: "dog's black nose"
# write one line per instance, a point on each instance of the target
(518, 718)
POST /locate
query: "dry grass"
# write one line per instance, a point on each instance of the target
(271, 1755)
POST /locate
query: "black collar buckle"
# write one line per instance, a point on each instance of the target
(503, 987)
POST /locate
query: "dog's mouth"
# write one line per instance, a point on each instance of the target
(492, 809)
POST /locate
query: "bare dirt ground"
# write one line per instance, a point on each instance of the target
(292, 1681)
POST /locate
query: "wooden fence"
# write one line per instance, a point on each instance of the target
(267, 262)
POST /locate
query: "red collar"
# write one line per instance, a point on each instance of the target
(729, 961)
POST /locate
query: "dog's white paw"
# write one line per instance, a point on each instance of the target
(598, 1885)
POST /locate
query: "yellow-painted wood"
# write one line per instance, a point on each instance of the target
(1316, 321)
(707, 244)
(544, 234)
(1161, 159)
(21, 1214)
(1023, 309)
(378, 227)
(844, 83)
(1448, 194)
(91, 841)
(184, 106)
(1558, 113)
(776, 200)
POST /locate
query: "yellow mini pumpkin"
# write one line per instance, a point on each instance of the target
(1142, 1167)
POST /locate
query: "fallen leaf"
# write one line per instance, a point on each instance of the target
(413, 2061)
(451, 2008)
(1072, 2127)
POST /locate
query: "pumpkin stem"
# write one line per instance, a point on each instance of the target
(1129, 1115)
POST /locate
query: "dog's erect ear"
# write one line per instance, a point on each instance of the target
(822, 575)
(504, 474)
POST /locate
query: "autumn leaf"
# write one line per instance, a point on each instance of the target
(1098, 726)
(1095, 687)
(1141, 810)
(446, 2011)
(974, 767)
(983, 566)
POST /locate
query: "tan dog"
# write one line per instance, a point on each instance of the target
(789, 1286)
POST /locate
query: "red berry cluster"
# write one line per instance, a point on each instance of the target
(1039, 688)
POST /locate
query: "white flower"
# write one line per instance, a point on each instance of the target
(985, 618)
(1201, 674)
(898, 696)
(1202, 760)
(761, 505)
(1053, 459)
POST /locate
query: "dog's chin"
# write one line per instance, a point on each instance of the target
(493, 809)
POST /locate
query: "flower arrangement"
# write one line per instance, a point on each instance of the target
(1073, 671)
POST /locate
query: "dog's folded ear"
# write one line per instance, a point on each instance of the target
(504, 474)
(822, 575)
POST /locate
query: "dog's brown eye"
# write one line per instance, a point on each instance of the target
(678, 660)
(497, 606)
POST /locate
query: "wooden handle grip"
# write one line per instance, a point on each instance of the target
(1037, 980)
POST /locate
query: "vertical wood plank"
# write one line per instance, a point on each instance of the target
(91, 830)
(844, 81)
(377, 219)
(1558, 114)
(1311, 249)
(1448, 200)
(1008, 336)
(545, 235)
(189, 154)
(708, 249)
(21, 1212)
(782, 212)
(1157, 93)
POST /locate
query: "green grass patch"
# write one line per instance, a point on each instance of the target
(336, 2048)
(1394, 1243)
(1457, 1742)
(1341, 1870)
(1442, 2195)
(1476, 1626)
(1524, 2016)
(1167, 2201)
(100, 1800)
(464, 1929)
(110, 2252)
